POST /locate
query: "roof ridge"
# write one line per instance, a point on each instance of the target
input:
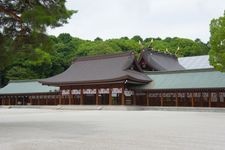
(27, 80)
(105, 56)
(159, 52)
(193, 56)
(182, 71)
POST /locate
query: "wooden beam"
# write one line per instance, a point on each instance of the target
(30, 98)
(81, 97)
(201, 98)
(3, 100)
(110, 96)
(60, 98)
(38, 98)
(23, 100)
(123, 96)
(70, 97)
(55, 99)
(192, 100)
(134, 98)
(9, 100)
(209, 99)
(147, 98)
(76, 99)
(16, 102)
(161, 100)
(177, 102)
(96, 97)
(46, 99)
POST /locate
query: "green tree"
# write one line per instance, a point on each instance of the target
(20, 73)
(178, 46)
(137, 38)
(22, 17)
(24, 22)
(98, 39)
(217, 43)
(95, 48)
(125, 44)
(65, 38)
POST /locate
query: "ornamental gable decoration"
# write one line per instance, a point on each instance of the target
(76, 92)
(65, 92)
(103, 91)
(89, 91)
(116, 90)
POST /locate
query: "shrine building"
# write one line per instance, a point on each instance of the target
(155, 79)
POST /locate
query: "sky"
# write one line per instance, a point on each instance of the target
(148, 18)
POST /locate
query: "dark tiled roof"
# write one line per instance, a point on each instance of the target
(160, 61)
(100, 69)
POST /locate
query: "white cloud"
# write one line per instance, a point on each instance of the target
(148, 18)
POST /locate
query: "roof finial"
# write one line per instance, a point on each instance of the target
(151, 41)
(140, 43)
(176, 53)
(168, 52)
(150, 44)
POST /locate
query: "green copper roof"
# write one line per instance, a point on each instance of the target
(26, 86)
(186, 79)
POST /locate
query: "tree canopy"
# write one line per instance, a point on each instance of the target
(65, 48)
(23, 17)
(217, 43)
(23, 24)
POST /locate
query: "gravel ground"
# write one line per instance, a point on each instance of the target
(36, 129)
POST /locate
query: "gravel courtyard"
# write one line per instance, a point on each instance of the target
(37, 129)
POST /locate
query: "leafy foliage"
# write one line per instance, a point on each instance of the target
(22, 17)
(40, 63)
(23, 24)
(217, 43)
(22, 36)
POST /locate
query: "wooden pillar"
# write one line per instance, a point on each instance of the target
(60, 98)
(9, 100)
(161, 99)
(123, 97)
(202, 100)
(23, 102)
(192, 100)
(38, 98)
(3, 100)
(96, 97)
(54, 99)
(30, 98)
(110, 96)
(177, 102)
(16, 100)
(209, 99)
(218, 99)
(34, 100)
(81, 97)
(147, 98)
(75, 99)
(70, 97)
(134, 98)
(46, 99)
